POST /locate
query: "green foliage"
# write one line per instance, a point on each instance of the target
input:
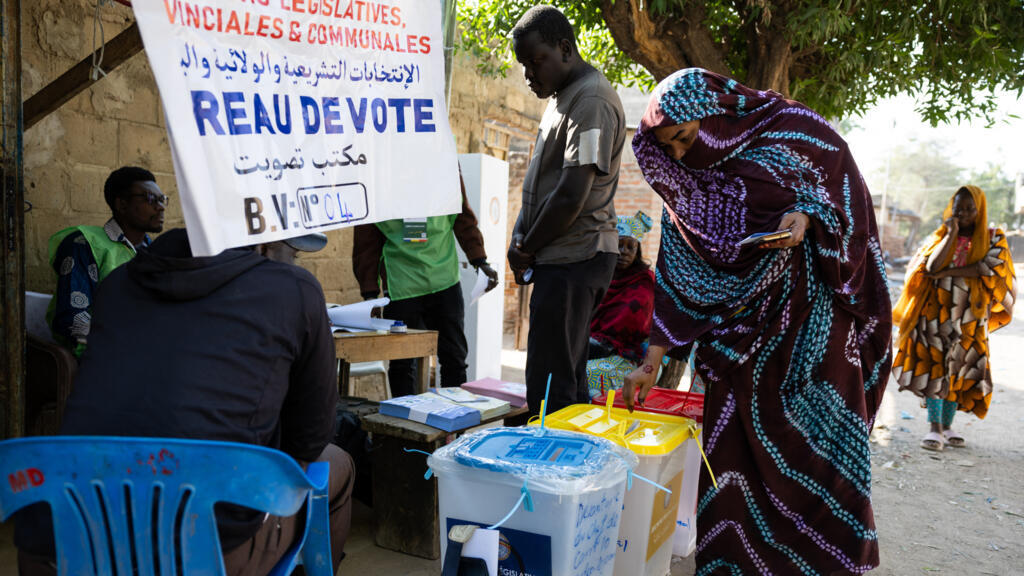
(486, 26)
(954, 55)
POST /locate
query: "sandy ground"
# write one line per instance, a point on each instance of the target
(959, 511)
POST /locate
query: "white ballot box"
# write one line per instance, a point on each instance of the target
(486, 179)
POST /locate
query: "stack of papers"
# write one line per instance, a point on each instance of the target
(489, 407)
(432, 410)
(512, 392)
(358, 317)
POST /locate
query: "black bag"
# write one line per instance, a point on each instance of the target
(350, 437)
(598, 349)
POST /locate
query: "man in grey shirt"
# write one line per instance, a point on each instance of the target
(565, 240)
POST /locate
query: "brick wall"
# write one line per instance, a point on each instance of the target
(119, 121)
(634, 194)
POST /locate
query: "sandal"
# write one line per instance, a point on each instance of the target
(953, 439)
(933, 441)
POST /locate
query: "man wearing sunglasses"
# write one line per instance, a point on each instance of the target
(82, 256)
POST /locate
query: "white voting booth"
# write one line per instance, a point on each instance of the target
(486, 179)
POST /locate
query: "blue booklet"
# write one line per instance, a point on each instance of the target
(432, 410)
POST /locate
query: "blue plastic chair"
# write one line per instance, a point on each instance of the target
(145, 505)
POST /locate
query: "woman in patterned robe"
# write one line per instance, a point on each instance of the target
(960, 287)
(793, 336)
(622, 322)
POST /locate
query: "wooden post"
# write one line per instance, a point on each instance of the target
(12, 227)
(120, 48)
(672, 374)
(522, 325)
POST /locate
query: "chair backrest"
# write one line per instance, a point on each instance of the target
(35, 316)
(143, 506)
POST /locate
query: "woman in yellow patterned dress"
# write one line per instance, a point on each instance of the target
(960, 287)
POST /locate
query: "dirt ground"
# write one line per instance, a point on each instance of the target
(959, 511)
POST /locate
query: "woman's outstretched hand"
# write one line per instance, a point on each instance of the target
(642, 379)
(797, 223)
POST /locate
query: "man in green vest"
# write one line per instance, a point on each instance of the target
(414, 263)
(82, 256)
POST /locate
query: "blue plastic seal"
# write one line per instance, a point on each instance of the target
(523, 453)
(553, 462)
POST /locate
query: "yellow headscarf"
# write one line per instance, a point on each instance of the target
(980, 238)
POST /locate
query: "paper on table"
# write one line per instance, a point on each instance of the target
(358, 316)
(483, 544)
(479, 288)
(458, 395)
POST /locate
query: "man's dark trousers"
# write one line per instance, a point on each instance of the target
(564, 299)
(443, 311)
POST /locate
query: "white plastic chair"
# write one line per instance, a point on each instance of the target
(368, 369)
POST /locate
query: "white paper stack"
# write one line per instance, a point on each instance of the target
(488, 407)
(358, 317)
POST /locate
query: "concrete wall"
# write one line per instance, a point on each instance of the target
(119, 121)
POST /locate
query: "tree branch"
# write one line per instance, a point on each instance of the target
(664, 43)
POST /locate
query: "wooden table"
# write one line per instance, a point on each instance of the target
(405, 507)
(352, 347)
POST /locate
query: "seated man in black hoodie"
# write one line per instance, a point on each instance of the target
(233, 347)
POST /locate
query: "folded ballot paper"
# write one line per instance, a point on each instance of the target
(358, 317)
(489, 407)
(512, 392)
(432, 410)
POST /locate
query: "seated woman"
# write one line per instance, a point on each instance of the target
(622, 322)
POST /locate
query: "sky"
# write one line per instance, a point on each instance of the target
(893, 121)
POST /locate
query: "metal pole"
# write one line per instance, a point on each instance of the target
(448, 25)
(885, 194)
(12, 227)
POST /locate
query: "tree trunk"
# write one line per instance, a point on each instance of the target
(769, 52)
(665, 43)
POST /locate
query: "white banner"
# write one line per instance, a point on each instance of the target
(292, 116)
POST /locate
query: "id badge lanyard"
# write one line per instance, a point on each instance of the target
(414, 230)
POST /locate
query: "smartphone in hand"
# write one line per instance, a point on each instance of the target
(523, 277)
(762, 237)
